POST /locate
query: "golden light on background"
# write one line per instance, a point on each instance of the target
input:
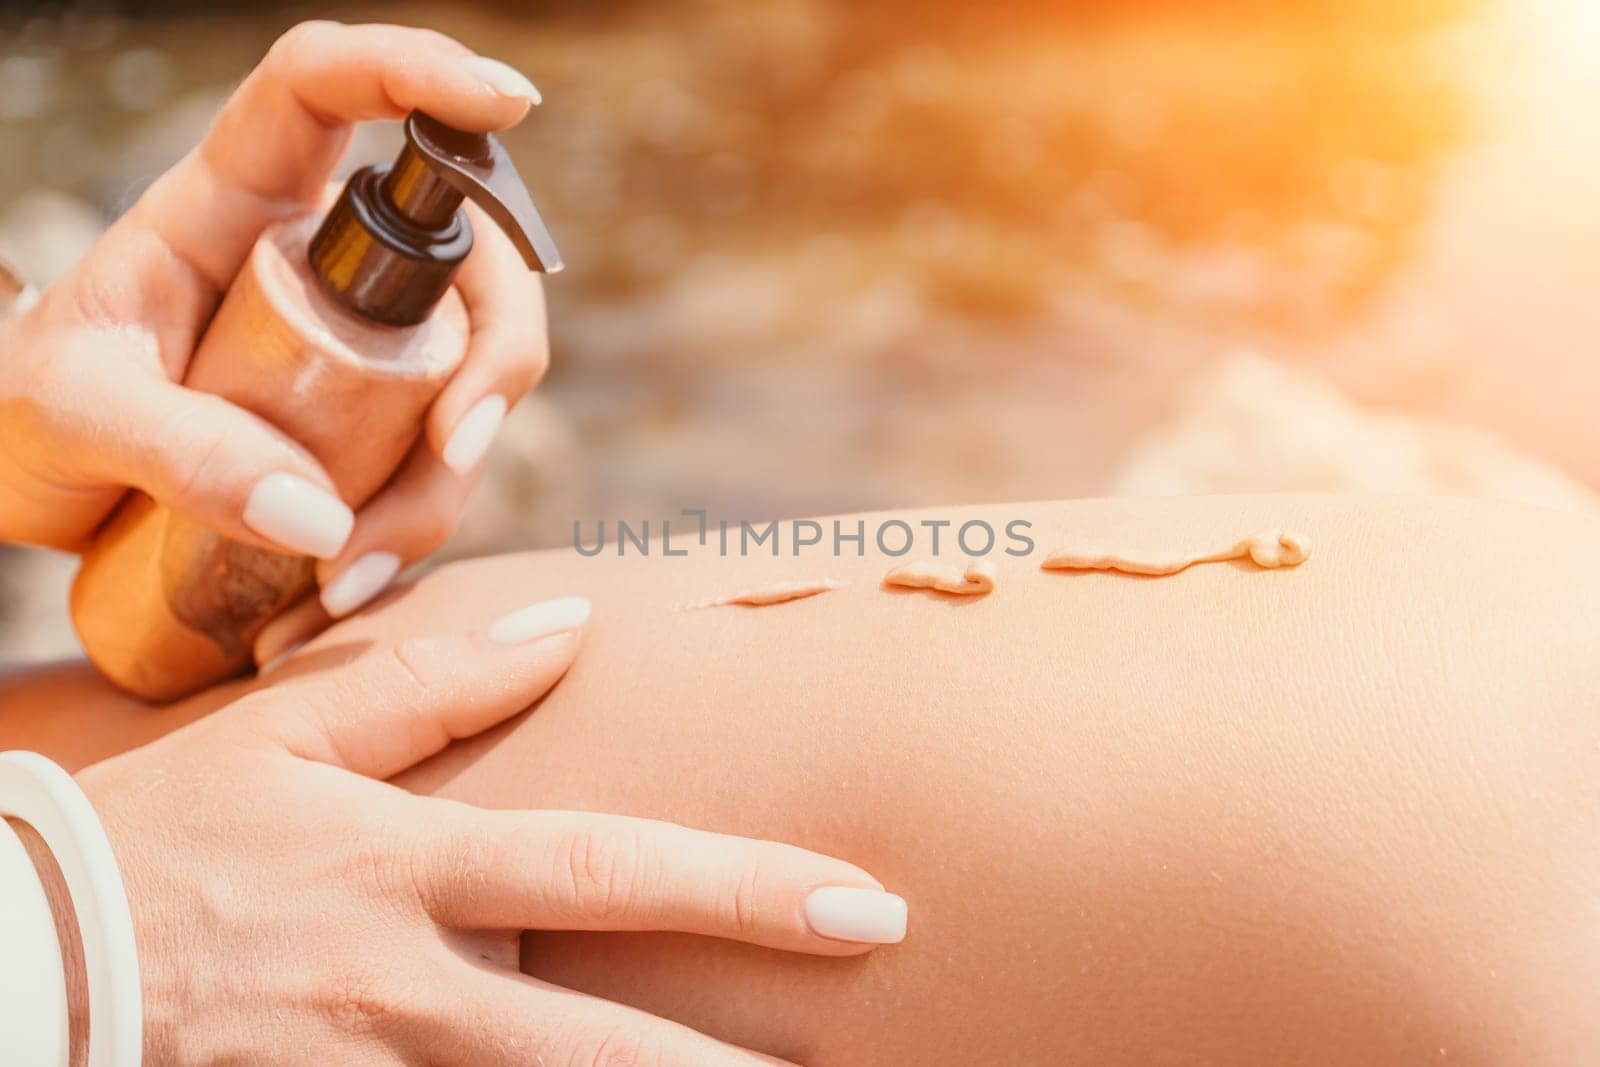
(827, 256)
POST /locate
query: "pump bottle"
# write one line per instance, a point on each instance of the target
(340, 333)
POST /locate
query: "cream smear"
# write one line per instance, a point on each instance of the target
(975, 579)
(1269, 550)
(777, 593)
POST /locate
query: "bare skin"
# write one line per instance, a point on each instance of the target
(1345, 812)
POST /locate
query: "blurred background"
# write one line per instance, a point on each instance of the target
(828, 255)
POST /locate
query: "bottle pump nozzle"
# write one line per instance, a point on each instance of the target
(391, 245)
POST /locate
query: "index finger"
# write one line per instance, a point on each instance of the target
(390, 708)
(568, 870)
(509, 349)
(278, 138)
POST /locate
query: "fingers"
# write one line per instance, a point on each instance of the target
(201, 456)
(420, 508)
(517, 1020)
(506, 357)
(281, 637)
(392, 707)
(554, 870)
(278, 138)
(413, 515)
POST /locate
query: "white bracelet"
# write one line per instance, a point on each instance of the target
(33, 984)
(44, 796)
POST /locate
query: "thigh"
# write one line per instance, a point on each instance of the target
(1343, 813)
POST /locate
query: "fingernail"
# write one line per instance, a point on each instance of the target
(292, 512)
(504, 79)
(474, 434)
(541, 620)
(869, 916)
(360, 582)
(279, 660)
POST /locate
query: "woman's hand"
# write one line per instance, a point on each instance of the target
(90, 404)
(290, 908)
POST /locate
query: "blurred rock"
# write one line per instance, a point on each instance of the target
(140, 79)
(33, 600)
(44, 233)
(147, 149)
(531, 486)
(29, 85)
(1256, 426)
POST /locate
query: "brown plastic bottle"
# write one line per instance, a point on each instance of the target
(340, 334)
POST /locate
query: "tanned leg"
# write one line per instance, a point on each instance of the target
(1340, 813)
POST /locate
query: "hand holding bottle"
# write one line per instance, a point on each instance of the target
(90, 400)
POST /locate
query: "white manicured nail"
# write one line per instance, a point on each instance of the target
(474, 434)
(503, 79)
(541, 620)
(868, 916)
(292, 512)
(360, 582)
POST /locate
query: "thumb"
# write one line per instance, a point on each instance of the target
(391, 708)
(212, 461)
